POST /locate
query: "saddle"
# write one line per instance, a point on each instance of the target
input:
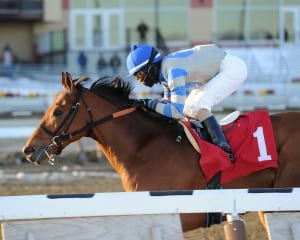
(250, 136)
(251, 139)
(198, 128)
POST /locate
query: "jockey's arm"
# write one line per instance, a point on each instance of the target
(174, 96)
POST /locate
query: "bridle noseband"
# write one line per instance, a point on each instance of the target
(61, 133)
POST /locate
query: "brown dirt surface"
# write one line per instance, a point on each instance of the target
(15, 180)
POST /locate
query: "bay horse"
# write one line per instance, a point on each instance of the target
(142, 148)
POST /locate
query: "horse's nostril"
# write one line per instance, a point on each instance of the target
(28, 150)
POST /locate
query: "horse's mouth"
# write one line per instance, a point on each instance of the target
(41, 155)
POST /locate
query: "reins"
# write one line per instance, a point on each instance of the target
(93, 124)
(58, 138)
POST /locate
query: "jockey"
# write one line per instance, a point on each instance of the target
(194, 80)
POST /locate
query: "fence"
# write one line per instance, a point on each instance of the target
(142, 205)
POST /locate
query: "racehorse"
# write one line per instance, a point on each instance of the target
(142, 148)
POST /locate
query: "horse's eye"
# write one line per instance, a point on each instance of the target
(58, 112)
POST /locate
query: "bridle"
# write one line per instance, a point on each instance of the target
(61, 134)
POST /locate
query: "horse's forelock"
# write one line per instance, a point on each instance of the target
(80, 81)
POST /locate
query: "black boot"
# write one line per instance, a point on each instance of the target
(217, 136)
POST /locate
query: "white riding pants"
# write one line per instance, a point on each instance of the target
(233, 72)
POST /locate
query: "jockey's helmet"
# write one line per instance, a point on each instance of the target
(140, 57)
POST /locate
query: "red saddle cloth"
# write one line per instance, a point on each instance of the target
(252, 141)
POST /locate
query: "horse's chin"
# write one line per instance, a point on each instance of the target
(33, 160)
(41, 156)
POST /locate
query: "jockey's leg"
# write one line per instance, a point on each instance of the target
(200, 101)
(210, 125)
(215, 132)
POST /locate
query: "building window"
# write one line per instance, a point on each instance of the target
(95, 4)
(169, 16)
(103, 24)
(246, 19)
(80, 36)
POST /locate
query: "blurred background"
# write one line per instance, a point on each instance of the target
(41, 38)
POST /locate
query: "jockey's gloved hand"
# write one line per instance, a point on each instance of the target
(145, 102)
(149, 103)
(140, 102)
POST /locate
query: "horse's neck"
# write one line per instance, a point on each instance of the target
(117, 141)
(123, 142)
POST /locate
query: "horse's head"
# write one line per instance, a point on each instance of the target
(57, 125)
(70, 115)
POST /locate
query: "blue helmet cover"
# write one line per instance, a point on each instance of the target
(139, 57)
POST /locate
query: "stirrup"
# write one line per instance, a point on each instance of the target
(231, 156)
(229, 152)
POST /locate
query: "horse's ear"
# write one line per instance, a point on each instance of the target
(67, 82)
(63, 79)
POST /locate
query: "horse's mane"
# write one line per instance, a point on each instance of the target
(114, 89)
(117, 91)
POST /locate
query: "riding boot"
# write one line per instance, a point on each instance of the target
(217, 136)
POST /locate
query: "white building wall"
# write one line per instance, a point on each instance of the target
(52, 10)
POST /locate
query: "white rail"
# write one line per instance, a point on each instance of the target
(122, 203)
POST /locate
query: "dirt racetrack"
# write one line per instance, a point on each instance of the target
(68, 175)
